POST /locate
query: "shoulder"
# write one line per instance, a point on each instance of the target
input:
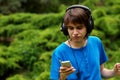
(61, 47)
(94, 39)
(60, 50)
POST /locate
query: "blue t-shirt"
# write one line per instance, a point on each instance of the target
(85, 60)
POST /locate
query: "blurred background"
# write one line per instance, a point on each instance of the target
(30, 31)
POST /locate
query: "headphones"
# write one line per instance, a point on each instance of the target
(90, 21)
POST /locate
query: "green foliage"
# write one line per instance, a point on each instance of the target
(33, 38)
(109, 24)
(112, 3)
(16, 77)
(33, 6)
(43, 76)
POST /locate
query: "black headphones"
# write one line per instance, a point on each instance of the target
(90, 21)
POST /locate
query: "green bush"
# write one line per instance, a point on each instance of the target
(16, 77)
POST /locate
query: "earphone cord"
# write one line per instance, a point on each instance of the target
(78, 73)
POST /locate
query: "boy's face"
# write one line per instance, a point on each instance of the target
(77, 32)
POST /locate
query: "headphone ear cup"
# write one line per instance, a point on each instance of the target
(64, 29)
(91, 24)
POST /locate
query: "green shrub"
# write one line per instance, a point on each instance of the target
(16, 77)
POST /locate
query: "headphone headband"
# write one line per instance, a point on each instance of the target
(79, 6)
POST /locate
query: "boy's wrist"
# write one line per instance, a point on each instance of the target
(113, 72)
(62, 76)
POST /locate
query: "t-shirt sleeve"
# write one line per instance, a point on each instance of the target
(103, 56)
(55, 66)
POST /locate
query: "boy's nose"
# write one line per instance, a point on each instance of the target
(75, 31)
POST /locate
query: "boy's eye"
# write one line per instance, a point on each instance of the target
(79, 27)
(71, 28)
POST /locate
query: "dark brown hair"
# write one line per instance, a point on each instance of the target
(76, 15)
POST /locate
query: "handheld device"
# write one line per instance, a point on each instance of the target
(65, 63)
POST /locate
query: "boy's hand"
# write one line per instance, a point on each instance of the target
(65, 71)
(117, 69)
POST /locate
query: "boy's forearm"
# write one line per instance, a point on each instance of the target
(107, 73)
